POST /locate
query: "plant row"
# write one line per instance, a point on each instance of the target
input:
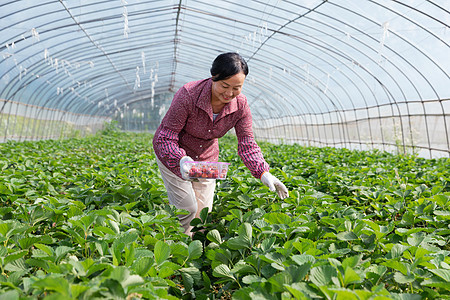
(89, 219)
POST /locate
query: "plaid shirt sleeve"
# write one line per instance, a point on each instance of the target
(248, 149)
(173, 122)
(170, 151)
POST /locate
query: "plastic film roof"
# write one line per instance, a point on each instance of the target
(311, 62)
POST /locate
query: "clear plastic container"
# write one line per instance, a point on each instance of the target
(207, 169)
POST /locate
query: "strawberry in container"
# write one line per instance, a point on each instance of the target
(207, 169)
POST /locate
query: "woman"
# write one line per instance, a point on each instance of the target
(201, 112)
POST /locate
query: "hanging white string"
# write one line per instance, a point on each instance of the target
(35, 34)
(154, 80)
(106, 95)
(126, 29)
(255, 38)
(152, 98)
(261, 30)
(56, 65)
(326, 85)
(143, 61)
(306, 68)
(5, 78)
(162, 109)
(8, 48)
(137, 81)
(7, 54)
(383, 39)
(20, 72)
(151, 74)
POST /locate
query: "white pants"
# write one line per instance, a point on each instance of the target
(192, 196)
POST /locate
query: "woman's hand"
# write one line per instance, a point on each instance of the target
(274, 184)
(184, 168)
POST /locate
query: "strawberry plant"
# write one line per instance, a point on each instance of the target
(89, 218)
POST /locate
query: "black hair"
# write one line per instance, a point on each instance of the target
(228, 64)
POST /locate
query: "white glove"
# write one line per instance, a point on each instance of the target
(184, 168)
(273, 184)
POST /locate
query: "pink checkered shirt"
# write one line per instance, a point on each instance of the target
(188, 129)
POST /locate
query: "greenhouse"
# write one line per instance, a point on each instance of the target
(337, 183)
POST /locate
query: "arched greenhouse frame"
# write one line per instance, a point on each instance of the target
(350, 104)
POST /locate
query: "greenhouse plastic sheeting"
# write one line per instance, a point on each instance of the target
(356, 74)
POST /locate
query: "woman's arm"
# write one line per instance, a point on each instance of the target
(252, 156)
(248, 149)
(173, 122)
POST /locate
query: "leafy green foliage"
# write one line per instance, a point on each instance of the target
(88, 218)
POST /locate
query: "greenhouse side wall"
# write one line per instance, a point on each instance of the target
(144, 115)
(23, 122)
(410, 129)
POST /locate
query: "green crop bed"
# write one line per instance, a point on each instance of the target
(89, 219)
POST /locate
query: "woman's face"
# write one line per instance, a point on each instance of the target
(228, 89)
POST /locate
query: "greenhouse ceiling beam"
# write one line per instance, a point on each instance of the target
(411, 65)
(421, 12)
(316, 44)
(285, 25)
(385, 89)
(424, 29)
(210, 40)
(316, 55)
(437, 65)
(82, 53)
(17, 39)
(359, 64)
(304, 96)
(71, 50)
(440, 7)
(100, 48)
(70, 101)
